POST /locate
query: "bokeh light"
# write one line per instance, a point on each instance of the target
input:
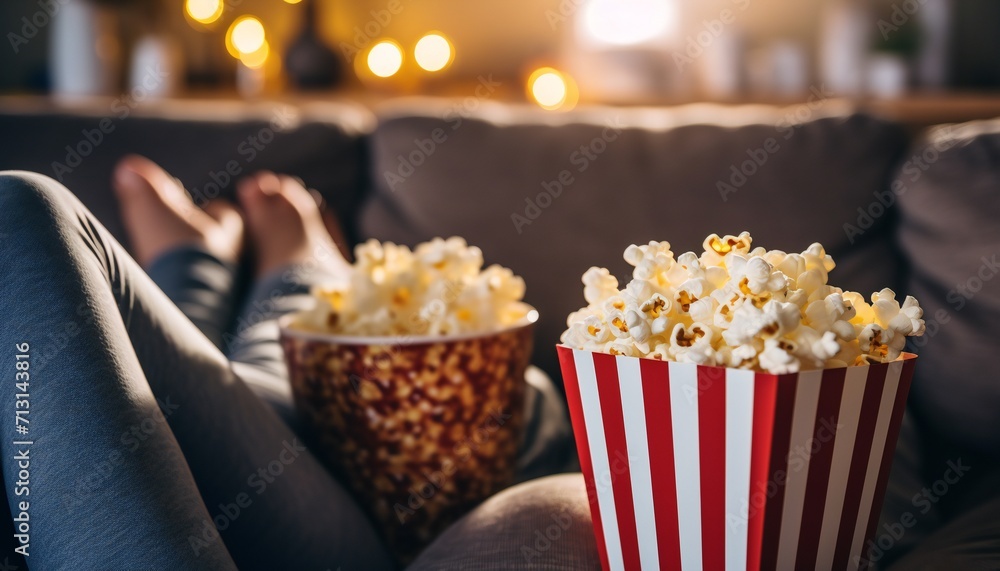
(552, 89)
(204, 11)
(245, 36)
(628, 22)
(385, 58)
(433, 52)
(258, 58)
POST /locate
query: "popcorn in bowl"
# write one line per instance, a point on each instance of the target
(439, 288)
(410, 374)
(740, 307)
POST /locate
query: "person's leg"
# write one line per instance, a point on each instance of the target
(293, 251)
(70, 305)
(112, 485)
(541, 524)
(192, 256)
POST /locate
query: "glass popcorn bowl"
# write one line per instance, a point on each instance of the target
(421, 428)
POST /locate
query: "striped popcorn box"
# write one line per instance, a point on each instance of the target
(693, 467)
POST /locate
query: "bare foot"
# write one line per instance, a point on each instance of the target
(286, 226)
(159, 215)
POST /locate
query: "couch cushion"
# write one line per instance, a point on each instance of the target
(201, 143)
(630, 176)
(949, 195)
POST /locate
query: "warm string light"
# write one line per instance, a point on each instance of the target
(628, 22)
(552, 90)
(204, 11)
(245, 36)
(385, 58)
(246, 41)
(258, 58)
(433, 52)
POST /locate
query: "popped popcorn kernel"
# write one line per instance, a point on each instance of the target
(438, 288)
(741, 306)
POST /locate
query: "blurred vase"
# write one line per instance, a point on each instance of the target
(779, 69)
(887, 75)
(84, 50)
(844, 41)
(935, 29)
(250, 81)
(156, 69)
(310, 63)
(790, 68)
(722, 66)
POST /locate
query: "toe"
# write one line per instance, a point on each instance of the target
(311, 204)
(268, 183)
(321, 222)
(295, 192)
(137, 174)
(128, 178)
(157, 213)
(226, 214)
(226, 237)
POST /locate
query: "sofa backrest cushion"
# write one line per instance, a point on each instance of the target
(550, 195)
(207, 145)
(949, 194)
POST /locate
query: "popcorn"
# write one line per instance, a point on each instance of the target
(741, 306)
(438, 288)
(692, 344)
(598, 284)
(778, 357)
(717, 248)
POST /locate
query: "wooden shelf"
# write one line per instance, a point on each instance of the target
(916, 110)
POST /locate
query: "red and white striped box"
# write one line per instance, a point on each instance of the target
(693, 467)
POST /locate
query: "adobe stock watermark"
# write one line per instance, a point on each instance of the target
(266, 311)
(580, 160)
(122, 108)
(31, 25)
(373, 28)
(958, 297)
(60, 336)
(922, 503)
(461, 452)
(901, 14)
(423, 149)
(797, 461)
(131, 440)
(740, 173)
(963, 292)
(696, 44)
(562, 13)
(543, 539)
(248, 149)
(911, 172)
(259, 482)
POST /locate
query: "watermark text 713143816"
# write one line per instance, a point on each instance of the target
(20, 506)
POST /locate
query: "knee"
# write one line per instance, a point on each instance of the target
(564, 494)
(543, 524)
(30, 203)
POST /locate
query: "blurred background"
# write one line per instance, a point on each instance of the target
(518, 100)
(552, 53)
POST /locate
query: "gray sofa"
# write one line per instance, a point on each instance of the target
(552, 194)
